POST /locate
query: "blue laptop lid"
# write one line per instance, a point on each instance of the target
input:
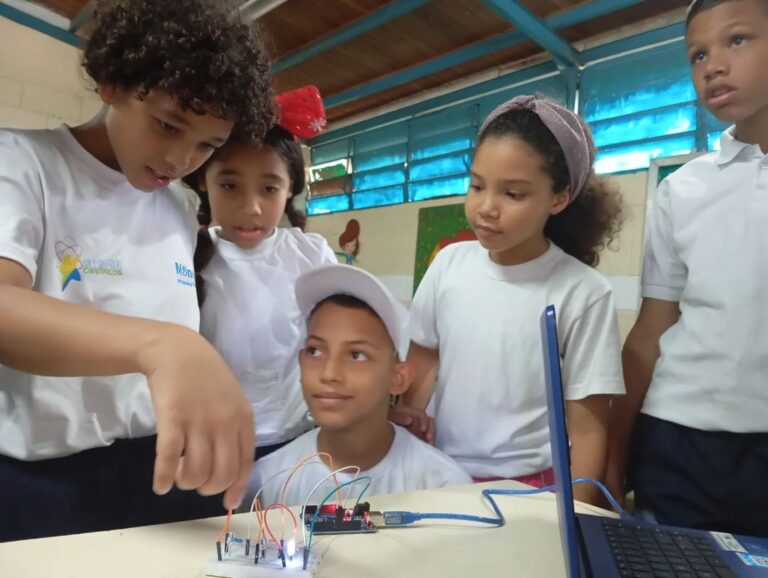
(558, 439)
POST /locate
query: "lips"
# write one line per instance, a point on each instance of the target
(485, 231)
(249, 232)
(719, 94)
(330, 401)
(331, 395)
(159, 179)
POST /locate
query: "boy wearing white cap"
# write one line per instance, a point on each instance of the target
(351, 363)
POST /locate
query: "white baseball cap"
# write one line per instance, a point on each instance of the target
(323, 282)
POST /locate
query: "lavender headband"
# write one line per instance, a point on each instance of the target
(567, 130)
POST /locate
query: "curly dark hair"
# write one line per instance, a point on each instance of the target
(286, 146)
(593, 220)
(193, 49)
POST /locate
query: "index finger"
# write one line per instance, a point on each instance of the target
(234, 495)
(168, 450)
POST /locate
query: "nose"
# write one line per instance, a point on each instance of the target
(179, 160)
(331, 370)
(487, 207)
(717, 64)
(251, 204)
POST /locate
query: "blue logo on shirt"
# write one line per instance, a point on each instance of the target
(185, 275)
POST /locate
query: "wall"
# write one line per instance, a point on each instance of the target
(41, 82)
(388, 244)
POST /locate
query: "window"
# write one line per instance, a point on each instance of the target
(424, 157)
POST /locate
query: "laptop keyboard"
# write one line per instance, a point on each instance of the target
(648, 552)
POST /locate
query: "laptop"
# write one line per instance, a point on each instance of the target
(602, 547)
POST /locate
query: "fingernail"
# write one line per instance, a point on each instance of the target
(161, 490)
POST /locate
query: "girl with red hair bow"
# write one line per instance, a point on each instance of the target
(246, 265)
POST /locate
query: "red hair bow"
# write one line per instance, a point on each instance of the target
(302, 112)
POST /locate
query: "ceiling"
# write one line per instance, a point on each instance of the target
(364, 54)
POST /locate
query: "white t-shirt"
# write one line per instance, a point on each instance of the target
(87, 236)
(410, 464)
(490, 402)
(250, 315)
(707, 248)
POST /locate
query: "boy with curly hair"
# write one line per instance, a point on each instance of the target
(98, 314)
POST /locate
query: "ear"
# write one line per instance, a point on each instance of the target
(560, 201)
(109, 93)
(402, 378)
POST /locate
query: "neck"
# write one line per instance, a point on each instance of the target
(754, 130)
(361, 445)
(527, 251)
(94, 138)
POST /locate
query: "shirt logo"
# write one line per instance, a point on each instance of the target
(73, 266)
(184, 275)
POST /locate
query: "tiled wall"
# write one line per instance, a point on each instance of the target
(41, 82)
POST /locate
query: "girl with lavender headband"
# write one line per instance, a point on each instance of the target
(540, 215)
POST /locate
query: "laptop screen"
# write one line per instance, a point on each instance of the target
(558, 439)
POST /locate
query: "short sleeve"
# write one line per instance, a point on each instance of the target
(592, 352)
(664, 274)
(321, 252)
(21, 202)
(424, 306)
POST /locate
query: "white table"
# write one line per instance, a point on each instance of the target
(528, 546)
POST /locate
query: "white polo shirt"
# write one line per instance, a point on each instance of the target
(87, 236)
(707, 248)
(490, 403)
(410, 464)
(251, 316)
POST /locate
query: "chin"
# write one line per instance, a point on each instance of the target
(332, 425)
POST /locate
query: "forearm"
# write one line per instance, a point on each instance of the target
(589, 456)
(425, 363)
(638, 359)
(45, 336)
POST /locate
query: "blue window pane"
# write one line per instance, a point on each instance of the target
(674, 92)
(378, 197)
(713, 141)
(666, 122)
(438, 188)
(639, 156)
(382, 157)
(332, 204)
(330, 152)
(440, 167)
(447, 142)
(378, 179)
(377, 138)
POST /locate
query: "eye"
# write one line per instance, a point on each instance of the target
(207, 147)
(514, 195)
(165, 127)
(698, 56)
(271, 189)
(359, 356)
(474, 187)
(312, 351)
(228, 186)
(738, 40)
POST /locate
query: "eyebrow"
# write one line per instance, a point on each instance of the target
(274, 176)
(474, 175)
(177, 117)
(229, 173)
(347, 343)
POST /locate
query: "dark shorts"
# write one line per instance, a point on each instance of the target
(700, 479)
(99, 489)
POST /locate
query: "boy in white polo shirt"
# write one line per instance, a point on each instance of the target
(696, 361)
(98, 314)
(357, 337)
